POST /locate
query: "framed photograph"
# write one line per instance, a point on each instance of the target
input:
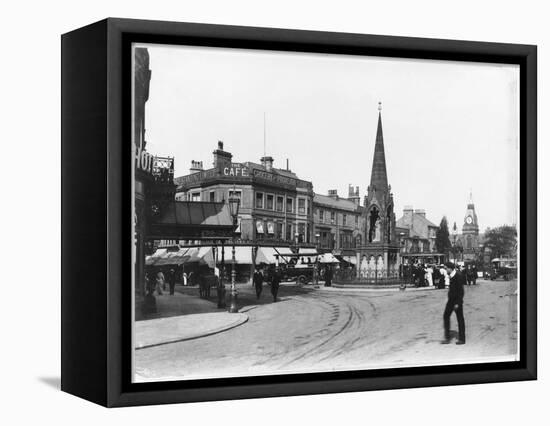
(254, 212)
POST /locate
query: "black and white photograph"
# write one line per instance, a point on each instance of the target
(302, 212)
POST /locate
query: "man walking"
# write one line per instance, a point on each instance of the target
(172, 281)
(454, 303)
(275, 281)
(258, 282)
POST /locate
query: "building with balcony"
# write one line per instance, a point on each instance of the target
(276, 205)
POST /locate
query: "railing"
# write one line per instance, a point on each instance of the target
(371, 276)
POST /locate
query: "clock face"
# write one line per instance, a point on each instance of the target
(469, 220)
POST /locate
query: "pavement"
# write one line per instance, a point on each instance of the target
(185, 316)
(161, 331)
(308, 330)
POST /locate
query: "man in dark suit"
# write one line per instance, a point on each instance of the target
(258, 279)
(275, 281)
(454, 303)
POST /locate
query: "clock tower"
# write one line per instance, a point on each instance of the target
(470, 232)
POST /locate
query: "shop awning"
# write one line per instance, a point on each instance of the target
(328, 258)
(266, 255)
(350, 259)
(243, 255)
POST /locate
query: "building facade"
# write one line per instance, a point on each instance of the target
(417, 235)
(467, 245)
(339, 223)
(275, 205)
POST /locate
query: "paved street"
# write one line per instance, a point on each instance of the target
(316, 330)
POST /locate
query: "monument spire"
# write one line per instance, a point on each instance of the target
(379, 177)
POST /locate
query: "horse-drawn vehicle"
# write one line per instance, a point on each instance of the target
(504, 268)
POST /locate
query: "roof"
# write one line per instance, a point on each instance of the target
(418, 221)
(195, 213)
(337, 203)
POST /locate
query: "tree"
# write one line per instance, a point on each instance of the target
(502, 241)
(442, 242)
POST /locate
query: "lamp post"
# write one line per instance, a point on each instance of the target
(316, 267)
(234, 203)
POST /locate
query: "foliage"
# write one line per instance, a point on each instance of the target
(442, 242)
(501, 241)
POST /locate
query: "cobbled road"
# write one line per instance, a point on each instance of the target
(314, 330)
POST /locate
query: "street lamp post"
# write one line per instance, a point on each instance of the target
(316, 267)
(234, 203)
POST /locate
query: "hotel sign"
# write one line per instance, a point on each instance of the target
(144, 160)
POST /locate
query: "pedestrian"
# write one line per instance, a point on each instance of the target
(172, 281)
(184, 276)
(429, 272)
(443, 277)
(454, 304)
(159, 282)
(474, 274)
(258, 280)
(275, 281)
(328, 276)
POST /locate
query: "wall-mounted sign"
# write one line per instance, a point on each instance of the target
(144, 160)
(260, 226)
(237, 170)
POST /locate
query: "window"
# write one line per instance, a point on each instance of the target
(289, 235)
(332, 217)
(289, 205)
(279, 231)
(195, 196)
(301, 232)
(321, 215)
(345, 219)
(301, 206)
(280, 204)
(269, 202)
(212, 196)
(259, 200)
(356, 220)
(237, 193)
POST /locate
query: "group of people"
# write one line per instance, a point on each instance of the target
(423, 275)
(274, 279)
(155, 281)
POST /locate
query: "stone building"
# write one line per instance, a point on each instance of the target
(339, 223)
(416, 235)
(276, 205)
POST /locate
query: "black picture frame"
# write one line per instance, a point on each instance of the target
(96, 203)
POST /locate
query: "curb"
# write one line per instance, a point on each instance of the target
(242, 318)
(373, 290)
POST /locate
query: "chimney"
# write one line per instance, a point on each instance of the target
(267, 162)
(333, 193)
(222, 158)
(196, 166)
(353, 195)
(408, 215)
(420, 212)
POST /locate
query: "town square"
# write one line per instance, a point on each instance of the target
(248, 266)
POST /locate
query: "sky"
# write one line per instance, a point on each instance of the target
(449, 127)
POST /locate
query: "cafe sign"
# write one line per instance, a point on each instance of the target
(236, 170)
